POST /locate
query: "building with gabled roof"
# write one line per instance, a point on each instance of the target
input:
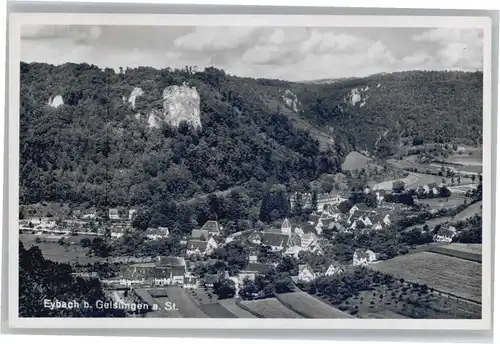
(156, 233)
(201, 234)
(333, 269)
(212, 227)
(196, 247)
(286, 227)
(363, 257)
(306, 273)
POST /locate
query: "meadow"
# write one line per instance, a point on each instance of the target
(309, 306)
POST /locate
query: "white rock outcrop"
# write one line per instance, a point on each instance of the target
(291, 100)
(181, 103)
(137, 92)
(355, 96)
(56, 101)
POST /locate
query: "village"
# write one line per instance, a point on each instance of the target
(301, 240)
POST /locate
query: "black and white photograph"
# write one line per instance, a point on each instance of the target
(243, 169)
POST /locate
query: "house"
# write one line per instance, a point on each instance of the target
(131, 213)
(255, 238)
(308, 240)
(359, 207)
(445, 234)
(363, 257)
(89, 214)
(293, 251)
(252, 258)
(118, 231)
(76, 213)
(333, 269)
(286, 227)
(190, 282)
(325, 224)
(156, 233)
(114, 214)
(306, 273)
(212, 227)
(299, 231)
(244, 276)
(196, 247)
(137, 274)
(210, 280)
(169, 275)
(201, 234)
(279, 241)
(258, 268)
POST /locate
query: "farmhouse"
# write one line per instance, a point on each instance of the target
(363, 257)
(169, 275)
(156, 233)
(445, 234)
(306, 273)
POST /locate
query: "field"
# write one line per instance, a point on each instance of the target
(268, 308)
(472, 252)
(470, 211)
(58, 253)
(208, 303)
(413, 180)
(184, 303)
(431, 223)
(439, 203)
(455, 276)
(231, 306)
(356, 161)
(310, 307)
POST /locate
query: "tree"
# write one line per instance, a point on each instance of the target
(85, 242)
(314, 200)
(224, 289)
(398, 186)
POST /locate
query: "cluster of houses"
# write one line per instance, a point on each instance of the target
(203, 241)
(309, 236)
(322, 200)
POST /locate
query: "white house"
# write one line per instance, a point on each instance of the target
(157, 233)
(200, 247)
(306, 273)
(114, 214)
(445, 234)
(363, 257)
(286, 227)
(293, 251)
(190, 282)
(131, 213)
(333, 269)
(255, 238)
(308, 240)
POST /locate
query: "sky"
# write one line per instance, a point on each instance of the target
(288, 53)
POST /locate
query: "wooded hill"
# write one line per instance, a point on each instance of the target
(95, 149)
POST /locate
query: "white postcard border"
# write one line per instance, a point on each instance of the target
(16, 20)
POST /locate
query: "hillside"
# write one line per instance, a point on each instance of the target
(145, 135)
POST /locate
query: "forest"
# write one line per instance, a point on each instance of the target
(93, 150)
(41, 279)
